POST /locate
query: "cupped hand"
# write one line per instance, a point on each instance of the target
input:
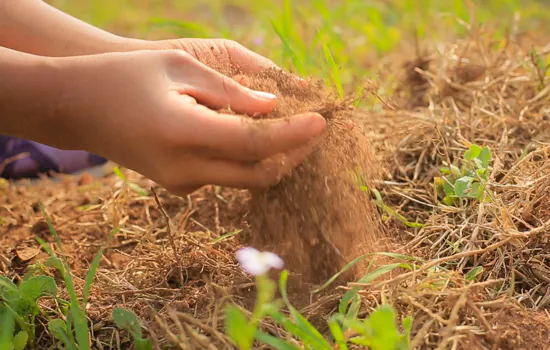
(153, 111)
(214, 52)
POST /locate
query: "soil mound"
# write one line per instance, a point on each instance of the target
(318, 218)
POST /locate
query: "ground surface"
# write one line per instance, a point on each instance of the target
(177, 276)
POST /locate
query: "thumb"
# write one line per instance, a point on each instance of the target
(219, 92)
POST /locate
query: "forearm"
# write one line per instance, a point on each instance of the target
(35, 27)
(27, 94)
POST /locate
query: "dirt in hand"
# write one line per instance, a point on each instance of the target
(318, 218)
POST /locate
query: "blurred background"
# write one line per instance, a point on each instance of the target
(361, 35)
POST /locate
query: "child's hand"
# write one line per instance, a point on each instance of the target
(140, 110)
(214, 51)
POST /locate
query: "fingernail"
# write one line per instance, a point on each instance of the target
(265, 95)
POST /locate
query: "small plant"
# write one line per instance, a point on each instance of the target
(379, 331)
(133, 186)
(469, 181)
(128, 321)
(73, 329)
(19, 308)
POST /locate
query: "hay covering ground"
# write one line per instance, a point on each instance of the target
(171, 271)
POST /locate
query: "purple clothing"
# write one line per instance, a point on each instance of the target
(40, 159)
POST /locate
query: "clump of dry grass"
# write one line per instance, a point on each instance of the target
(470, 93)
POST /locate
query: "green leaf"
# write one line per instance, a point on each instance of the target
(485, 157)
(8, 326)
(143, 344)
(276, 343)
(476, 191)
(238, 329)
(472, 152)
(448, 188)
(449, 200)
(455, 171)
(36, 287)
(385, 334)
(58, 328)
(8, 290)
(6, 346)
(127, 320)
(463, 186)
(20, 340)
(337, 334)
(473, 273)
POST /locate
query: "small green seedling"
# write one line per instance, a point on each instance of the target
(19, 308)
(128, 321)
(73, 330)
(379, 331)
(469, 181)
(135, 187)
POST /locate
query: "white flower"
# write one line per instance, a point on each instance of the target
(257, 263)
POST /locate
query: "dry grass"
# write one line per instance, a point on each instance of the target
(166, 267)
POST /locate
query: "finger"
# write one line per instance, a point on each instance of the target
(247, 60)
(251, 63)
(239, 138)
(218, 91)
(249, 175)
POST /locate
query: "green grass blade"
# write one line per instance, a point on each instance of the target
(339, 273)
(79, 317)
(359, 259)
(335, 72)
(94, 266)
(315, 336)
(80, 327)
(292, 328)
(353, 310)
(342, 308)
(226, 236)
(276, 343)
(298, 64)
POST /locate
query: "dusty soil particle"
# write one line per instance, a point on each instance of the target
(317, 218)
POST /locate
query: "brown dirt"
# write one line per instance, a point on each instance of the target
(317, 218)
(514, 329)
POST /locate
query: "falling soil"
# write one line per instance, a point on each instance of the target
(318, 218)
